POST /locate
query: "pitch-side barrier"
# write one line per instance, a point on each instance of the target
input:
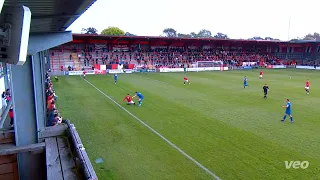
(163, 70)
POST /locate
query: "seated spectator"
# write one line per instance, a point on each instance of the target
(54, 95)
(52, 113)
(50, 99)
(53, 120)
(51, 106)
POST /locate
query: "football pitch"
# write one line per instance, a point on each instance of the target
(214, 125)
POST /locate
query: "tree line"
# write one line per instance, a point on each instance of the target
(203, 33)
(110, 31)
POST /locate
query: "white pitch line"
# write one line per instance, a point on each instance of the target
(161, 136)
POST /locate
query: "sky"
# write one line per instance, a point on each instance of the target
(239, 19)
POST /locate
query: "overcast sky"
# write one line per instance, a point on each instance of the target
(236, 18)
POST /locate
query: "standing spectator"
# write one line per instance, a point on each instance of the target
(8, 95)
(11, 116)
(4, 99)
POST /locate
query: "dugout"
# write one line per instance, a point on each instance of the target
(28, 28)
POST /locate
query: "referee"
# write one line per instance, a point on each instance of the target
(265, 90)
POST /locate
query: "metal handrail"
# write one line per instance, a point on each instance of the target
(81, 152)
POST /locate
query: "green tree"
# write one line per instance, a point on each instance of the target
(204, 34)
(296, 39)
(113, 31)
(89, 30)
(256, 38)
(193, 35)
(272, 39)
(184, 35)
(220, 35)
(170, 32)
(314, 36)
(268, 38)
(129, 34)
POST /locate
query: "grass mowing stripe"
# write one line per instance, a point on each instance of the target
(161, 136)
(152, 79)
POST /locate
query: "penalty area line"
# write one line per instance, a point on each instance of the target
(158, 134)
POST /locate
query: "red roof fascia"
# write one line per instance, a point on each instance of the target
(295, 45)
(165, 40)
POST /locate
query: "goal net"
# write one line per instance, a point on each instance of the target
(208, 65)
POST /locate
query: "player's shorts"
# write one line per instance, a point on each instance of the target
(141, 99)
(131, 102)
(261, 76)
(84, 75)
(288, 112)
(265, 92)
(307, 87)
(186, 80)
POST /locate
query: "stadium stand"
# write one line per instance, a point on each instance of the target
(71, 58)
(85, 53)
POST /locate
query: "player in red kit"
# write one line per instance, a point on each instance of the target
(129, 100)
(261, 74)
(307, 88)
(186, 80)
(84, 74)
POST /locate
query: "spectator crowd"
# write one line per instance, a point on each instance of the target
(54, 118)
(176, 56)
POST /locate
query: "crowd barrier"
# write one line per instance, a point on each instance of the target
(308, 67)
(78, 72)
(144, 70)
(276, 66)
(193, 69)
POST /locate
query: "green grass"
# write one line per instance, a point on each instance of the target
(232, 131)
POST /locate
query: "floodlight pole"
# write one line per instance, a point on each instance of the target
(289, 28)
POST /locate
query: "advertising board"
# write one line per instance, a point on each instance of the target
(306, 67)
(279, 66)
(194, 69)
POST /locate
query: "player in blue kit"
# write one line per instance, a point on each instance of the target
(245, 82)
(140, 96)
(115, 78)
(288, 112)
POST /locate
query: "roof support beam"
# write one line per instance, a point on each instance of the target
(45, 16)
(24, 88)
(84, 5)
(43, 41)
